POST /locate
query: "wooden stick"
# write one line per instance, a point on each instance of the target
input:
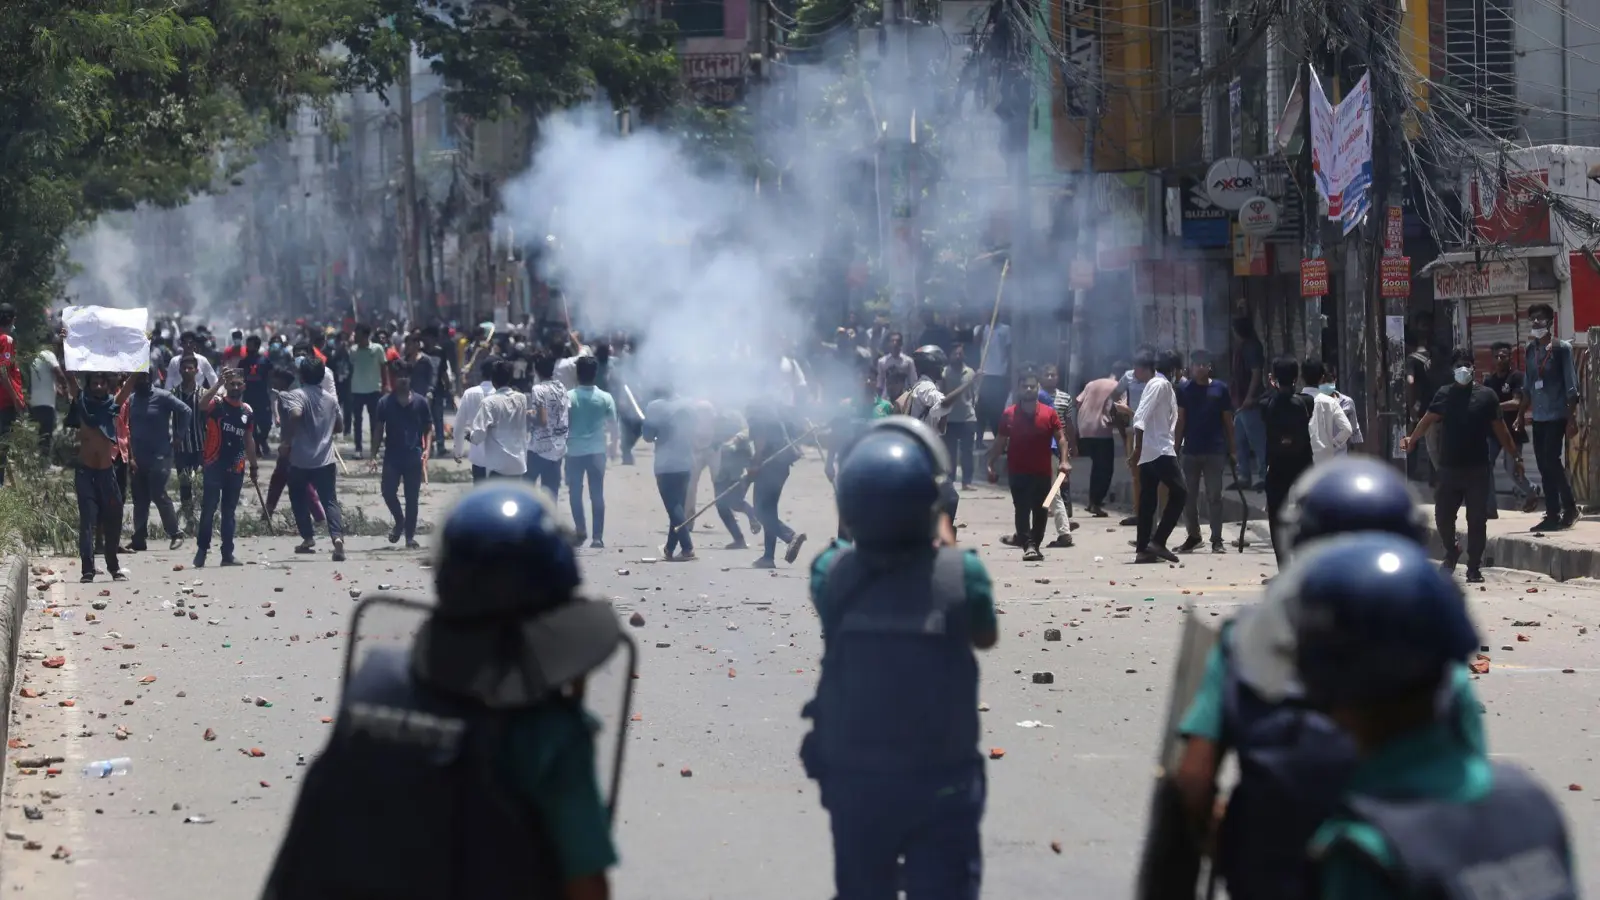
(1055, 489)
(637, 412)
(339, 458)
(702, 510)
(988, 336)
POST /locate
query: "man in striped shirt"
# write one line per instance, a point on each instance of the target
(188, 437)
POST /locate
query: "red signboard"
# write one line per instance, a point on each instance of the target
(1394, 232)
(1512, 210)
(1313, 278)
(1394, 277)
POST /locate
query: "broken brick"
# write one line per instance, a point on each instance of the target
(996, 753)
(636, 620)
(28, 694)
(256, 752)
(148, 679)
(210, 735)
(55, 662)
(686, 772)
(1480, 666)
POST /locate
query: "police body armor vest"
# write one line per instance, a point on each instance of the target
(899, 685)
(1293, 765)
(408, 800)
(1510, 845)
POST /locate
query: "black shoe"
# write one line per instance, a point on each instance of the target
(1163, 553)
(1129, 521)
(1143, 557)
(413, 545)
(394, 536)
(579, 538)
(1451, 557)
(1474, 576)
(177, 541)
(736, 545)
(87, 578)
(1098, 512)
(137, 547)
(119, 576)
(1062, 540)
(1190, 544)
(338, 549)
(793, 553)
(595, 544)
(230, 561)
(1032, 554)
(1549, 523)
(1569, 517)
(199, 560)
(1218, 547)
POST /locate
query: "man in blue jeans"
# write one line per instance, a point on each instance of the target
(1550, 401)
(407, 423)
(229, 442)
(592, 424)
(1248, 383)
(669, 425)
(366, 381)
(310, 420)
(774, 454)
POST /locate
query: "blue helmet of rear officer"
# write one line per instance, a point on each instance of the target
(464, 765)
(1379, 635)
(894, 747)
(1293, 760)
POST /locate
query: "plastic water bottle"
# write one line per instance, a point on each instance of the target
(106, 768)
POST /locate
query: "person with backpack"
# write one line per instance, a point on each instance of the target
(894, 743)
(1293, 760)
(1550, 395)
(1380, 635)
(464, 765)
(1287, 414)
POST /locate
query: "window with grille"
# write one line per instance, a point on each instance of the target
(695, 18)
(1480, 65)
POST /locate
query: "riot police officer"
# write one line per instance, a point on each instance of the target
(1293, 761)
(894, 746)
(464, 766)
(1379, 632)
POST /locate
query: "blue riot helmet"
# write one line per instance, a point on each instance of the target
(891, 484)
(1372, 617)
(1349, 495)
(509, 625)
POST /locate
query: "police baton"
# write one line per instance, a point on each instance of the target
(265, 515)
(1244, 509)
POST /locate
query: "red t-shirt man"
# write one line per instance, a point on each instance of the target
(1028, 439)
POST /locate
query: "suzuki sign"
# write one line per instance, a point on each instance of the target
(1232, 181)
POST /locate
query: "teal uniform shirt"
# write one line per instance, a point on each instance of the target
(551, 758)
(980, 589)
(1204, 716)
(1431, 762)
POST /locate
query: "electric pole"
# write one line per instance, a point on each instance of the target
(408, 194)
(1382, 413)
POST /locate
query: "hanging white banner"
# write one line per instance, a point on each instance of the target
(1353, 127)
(1323, 149)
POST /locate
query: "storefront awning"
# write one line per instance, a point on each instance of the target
(1487, 256)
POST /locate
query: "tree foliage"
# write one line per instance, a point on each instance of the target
(107, 104)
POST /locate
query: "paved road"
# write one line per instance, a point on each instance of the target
(722, 699)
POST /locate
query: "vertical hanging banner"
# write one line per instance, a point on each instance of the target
(1323, 149)
(1394, 232)
(1341, 151)
(1353, 130)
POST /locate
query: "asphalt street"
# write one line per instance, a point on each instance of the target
(713, 801)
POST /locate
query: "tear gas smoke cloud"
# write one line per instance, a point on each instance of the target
(640, 240)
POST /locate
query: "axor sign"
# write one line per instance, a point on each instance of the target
(1232, 181)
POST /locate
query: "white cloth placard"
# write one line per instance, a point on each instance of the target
(102, 339)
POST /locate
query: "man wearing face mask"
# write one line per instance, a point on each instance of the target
(1471, 418)
(1550, 401)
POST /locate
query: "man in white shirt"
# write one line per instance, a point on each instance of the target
(501, 426)
(548, 427)
(1155, 425)
(1331, 430)
(994, 356)
(205, 377)
(467, 410)
(929, 404)
(43, 386)
(895, 370)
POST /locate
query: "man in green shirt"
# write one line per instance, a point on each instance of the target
(366, 382)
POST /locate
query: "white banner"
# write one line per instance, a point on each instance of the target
(1323, 149)
(1341, 151)
(102, 339)
(1353, 127)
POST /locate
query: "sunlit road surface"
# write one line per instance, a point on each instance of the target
(729, 655)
